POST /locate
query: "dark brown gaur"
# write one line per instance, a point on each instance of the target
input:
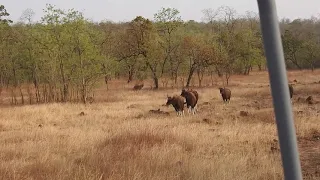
(177, 102)
(191, 100)
(225, 94)
(291, 90)
(196, 94)
(197, 98)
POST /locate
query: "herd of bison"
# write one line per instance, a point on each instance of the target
(190, 98)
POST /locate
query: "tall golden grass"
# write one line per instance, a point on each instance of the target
(117, 137)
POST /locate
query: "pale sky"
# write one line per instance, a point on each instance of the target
(126, 10)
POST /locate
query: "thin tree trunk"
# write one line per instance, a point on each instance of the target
(192, 69)
(22, 97)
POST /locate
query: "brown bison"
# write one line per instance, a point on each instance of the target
(290, 90)
(225, 94)
(197, 98)
(191, 100)
(195, 94)
(177, 102)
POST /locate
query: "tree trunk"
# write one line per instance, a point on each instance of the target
(84, 94)
(130, 76)
(29, 95)
(192, 69)
(176, 79)
(154, 75)
(51, 93)
(65, 92)
(200, 76)
(155, 78)
(246, 70)
(64, 81)
(1, 81)
(36, 86)
(22, 97)
(117, 75)
(220, 74)
(83, 82)
(227, 76)
(211, 77)
(294, 60)
(156, 82)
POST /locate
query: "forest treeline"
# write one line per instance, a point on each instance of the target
(63, 56)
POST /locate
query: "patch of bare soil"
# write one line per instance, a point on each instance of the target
(158, 111)
(258, 104)
(152, 112)
(134, 106)
(309, 149)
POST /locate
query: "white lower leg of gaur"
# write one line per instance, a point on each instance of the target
(189, 108)
(180, 113)
(193, 111)
(195, 108)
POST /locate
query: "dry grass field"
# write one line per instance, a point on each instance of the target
(117, 137)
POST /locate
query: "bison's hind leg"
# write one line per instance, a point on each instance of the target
(193, 111)
(180, 113)
(196, 108)
(189, 109)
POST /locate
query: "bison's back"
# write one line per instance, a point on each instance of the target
(196, 95)
(191, 99)
(227, 92)
(178, 102)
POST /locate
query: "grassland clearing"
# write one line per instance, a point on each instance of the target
(118, 137)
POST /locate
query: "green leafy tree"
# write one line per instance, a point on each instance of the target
(3, 15)
(168, 24)
(141, 41)
(311, 46)
(291, 47)
(198, 53)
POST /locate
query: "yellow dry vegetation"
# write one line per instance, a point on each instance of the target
(116, 137)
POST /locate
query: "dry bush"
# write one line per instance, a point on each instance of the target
(261, 116)
(138, 86)
(140, 152)
(301, 90)
(256, 93)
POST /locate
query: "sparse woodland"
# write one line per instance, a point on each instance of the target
(62, 57)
